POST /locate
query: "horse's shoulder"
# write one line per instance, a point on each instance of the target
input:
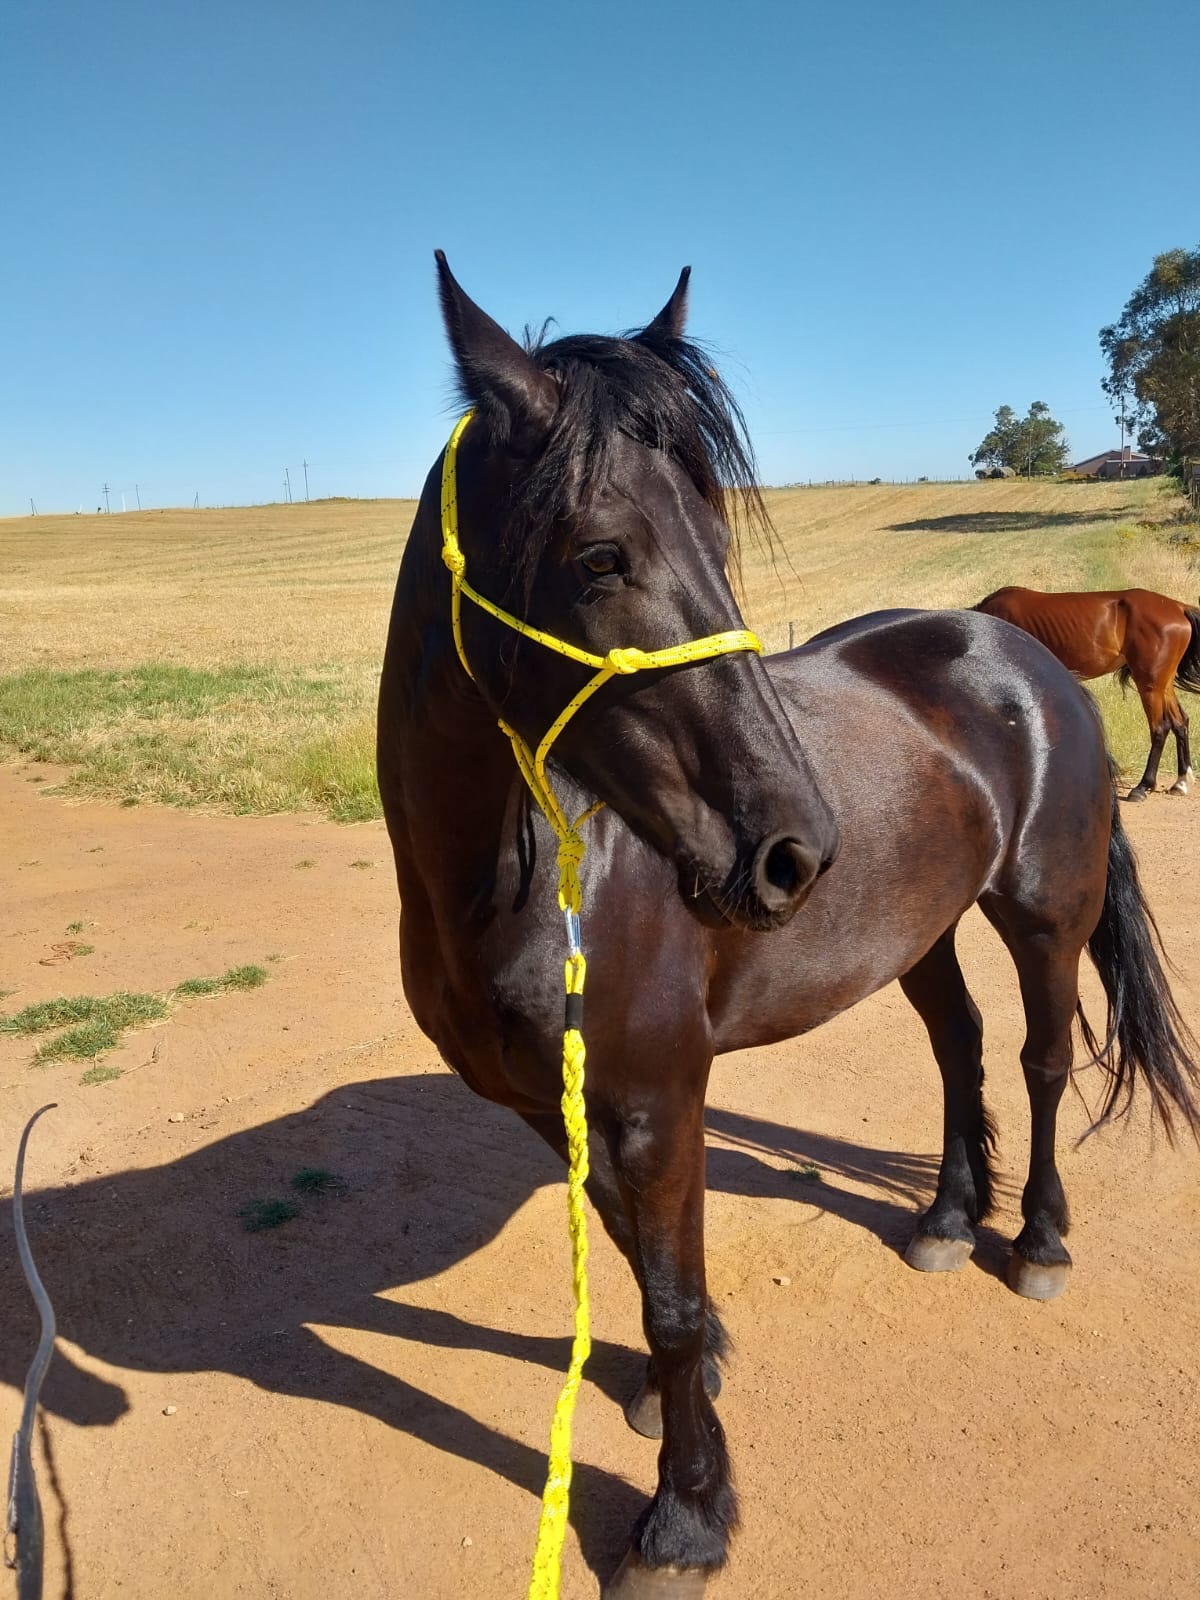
(937, 633)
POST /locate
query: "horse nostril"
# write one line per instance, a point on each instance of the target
(786, 870)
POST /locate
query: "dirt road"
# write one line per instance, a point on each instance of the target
(356, 1403)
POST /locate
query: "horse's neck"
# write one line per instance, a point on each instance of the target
(448, 769)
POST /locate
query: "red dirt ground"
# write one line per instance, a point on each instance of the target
(357, 1403)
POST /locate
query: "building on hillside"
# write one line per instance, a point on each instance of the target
(1125, 463)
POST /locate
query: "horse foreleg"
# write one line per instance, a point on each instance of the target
(658, 1157)
(644, 1410)
(937, 991)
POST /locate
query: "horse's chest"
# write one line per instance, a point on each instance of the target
(489, 995)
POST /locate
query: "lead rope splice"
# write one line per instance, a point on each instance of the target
(547, 1559)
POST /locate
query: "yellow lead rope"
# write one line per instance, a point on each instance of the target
(547, 1559)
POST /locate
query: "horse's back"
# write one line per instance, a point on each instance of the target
(1086, 630)
(955, 687)
(968, 654)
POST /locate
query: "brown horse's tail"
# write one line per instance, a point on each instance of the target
(1145, 1037)
(1187, 673)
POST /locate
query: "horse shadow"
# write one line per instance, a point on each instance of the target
(151, 1270)
(1005, 521)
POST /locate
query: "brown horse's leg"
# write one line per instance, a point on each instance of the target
(1160, 726)
(1183, 754)
(644, 1411)
(658, 1157)
(1047, 963)
(937, 991)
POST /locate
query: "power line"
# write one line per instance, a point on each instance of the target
(106, 499)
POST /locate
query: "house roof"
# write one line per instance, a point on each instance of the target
(1092, 463)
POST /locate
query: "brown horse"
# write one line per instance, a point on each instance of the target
(750, 875)
(1143, 636)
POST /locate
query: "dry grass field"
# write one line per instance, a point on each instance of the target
(228, 658)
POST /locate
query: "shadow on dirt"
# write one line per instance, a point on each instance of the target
(1006, 521)
(151, 1270)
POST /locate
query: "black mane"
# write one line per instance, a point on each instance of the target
(658, 389)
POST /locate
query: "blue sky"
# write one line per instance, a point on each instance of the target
(219, 221)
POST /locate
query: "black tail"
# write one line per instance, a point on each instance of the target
(1145, 1035)
(1187, 673)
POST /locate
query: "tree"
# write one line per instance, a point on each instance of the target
(1153, 356)
(1031, 444)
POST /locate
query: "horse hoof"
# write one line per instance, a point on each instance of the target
(1178, 788)
(1136, 794)
(633, 1580)
(1036, 1281)
(938, 1255)
(644, 1413)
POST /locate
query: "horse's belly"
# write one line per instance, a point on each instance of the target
(901, 879)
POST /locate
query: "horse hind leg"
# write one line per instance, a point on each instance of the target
(1160, 725)
(1183, 754)
(1047, 963)
(938, 993)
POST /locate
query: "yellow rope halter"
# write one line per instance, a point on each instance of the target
(547, 1559)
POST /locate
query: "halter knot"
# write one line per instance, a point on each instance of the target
(454, 559)
(626, 660)
(571, 851)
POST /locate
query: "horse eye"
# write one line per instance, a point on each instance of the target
(601, 560)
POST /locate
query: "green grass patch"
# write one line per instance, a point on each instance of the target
(318, 1180)
(76, 927)
(115, 1011)
(86, 1026)
(236, 978)
(808, 1173)
(259, 1214)
(100, 1073)
(248, 977)
(192, 988)
(242, 739)
(82, 1043)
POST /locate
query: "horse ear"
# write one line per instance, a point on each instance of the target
(671, 319)
(495, 373)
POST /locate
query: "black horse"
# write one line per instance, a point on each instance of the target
(593, 487)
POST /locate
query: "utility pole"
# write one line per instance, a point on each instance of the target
(287, 483)
(196, 501)
(306, 483)
(106, 499)
(32, 507)
(137, 492)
